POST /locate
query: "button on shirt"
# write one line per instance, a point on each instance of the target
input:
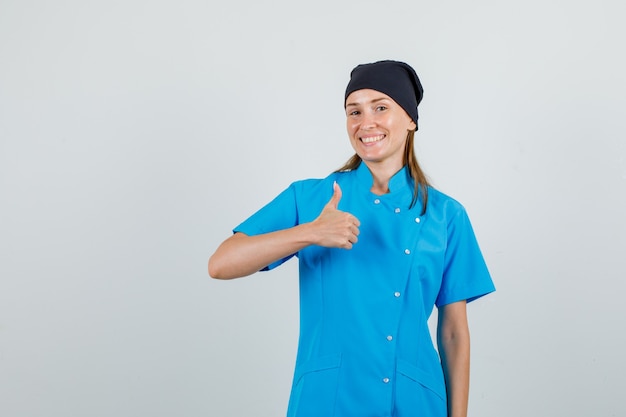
(365, 348)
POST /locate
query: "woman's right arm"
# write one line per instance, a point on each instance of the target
(241, 255)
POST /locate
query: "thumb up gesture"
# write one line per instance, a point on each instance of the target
(335, 228)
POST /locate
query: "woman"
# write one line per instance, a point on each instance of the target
(377, 248)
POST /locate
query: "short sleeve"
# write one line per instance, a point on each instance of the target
(465, 273)
(281, 213)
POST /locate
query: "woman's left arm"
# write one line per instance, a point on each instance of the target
(453, 340)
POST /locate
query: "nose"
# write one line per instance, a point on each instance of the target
(368, 120)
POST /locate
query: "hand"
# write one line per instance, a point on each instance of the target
(335, 228)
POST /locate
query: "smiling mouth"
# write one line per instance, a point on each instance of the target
(372, 139)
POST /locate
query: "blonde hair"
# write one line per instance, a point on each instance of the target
(409, 159)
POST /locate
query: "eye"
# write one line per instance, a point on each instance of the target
(354, 113)
(381, 108)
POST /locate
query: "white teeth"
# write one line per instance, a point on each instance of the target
(372, 139)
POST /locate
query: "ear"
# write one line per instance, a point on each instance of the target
(412, 125)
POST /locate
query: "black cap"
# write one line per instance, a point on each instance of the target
(396, 79)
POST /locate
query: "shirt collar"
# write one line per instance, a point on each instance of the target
(400, 184)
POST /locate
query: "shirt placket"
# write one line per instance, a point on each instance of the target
(409, 222)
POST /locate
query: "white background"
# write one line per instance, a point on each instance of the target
(135, 134)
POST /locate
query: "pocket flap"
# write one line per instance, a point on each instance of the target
(434, 383)
(317, 364)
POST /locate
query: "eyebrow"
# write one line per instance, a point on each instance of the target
(373, 101)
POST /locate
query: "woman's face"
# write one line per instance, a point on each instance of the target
(377, 127)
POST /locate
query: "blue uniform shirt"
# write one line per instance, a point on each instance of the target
(365, 349)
